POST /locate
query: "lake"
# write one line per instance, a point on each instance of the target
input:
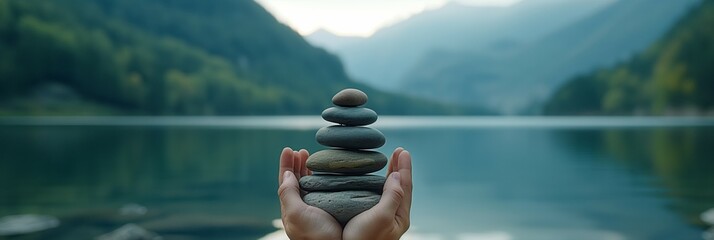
(474, 177)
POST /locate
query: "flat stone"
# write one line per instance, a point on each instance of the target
(708, 216)
(335, 183)
(346, 161)
(27, 223)
(350, 116)
(130, 231)
(350, 97)
(132, 209)
(350, 137)
(344, 205)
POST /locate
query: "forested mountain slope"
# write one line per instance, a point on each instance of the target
(674, 76)
(167, 57)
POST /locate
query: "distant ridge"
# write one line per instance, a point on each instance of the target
(386, 57)
(168, 57)
(330, 41)
(672, 77)
(520, 79)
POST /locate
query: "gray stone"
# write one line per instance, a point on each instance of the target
(132, 209)
(27, 223)
(708, 216)
(335, 183)
(346, 161)
(343, 205)
(350, 137)
(350, 116)
(350, 97)
(130, 232)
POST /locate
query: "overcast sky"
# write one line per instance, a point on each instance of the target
(353, 17)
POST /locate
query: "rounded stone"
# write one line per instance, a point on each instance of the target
(346, 161)
(344, 205)
(350, 137)
(350, 97)
(335, 183)
(26, 223)
(350, 116)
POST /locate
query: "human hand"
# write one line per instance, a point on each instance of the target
(389, 219)
(301, 221)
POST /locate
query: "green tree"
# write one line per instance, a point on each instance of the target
(674, 74)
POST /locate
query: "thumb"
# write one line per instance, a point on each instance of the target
(392, 195)
(289, 191)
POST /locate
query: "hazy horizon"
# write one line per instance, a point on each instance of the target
(357, 18)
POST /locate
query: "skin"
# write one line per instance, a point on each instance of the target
(389, 219)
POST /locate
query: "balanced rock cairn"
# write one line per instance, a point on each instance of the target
(341, 185)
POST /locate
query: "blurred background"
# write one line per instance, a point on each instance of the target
(526, 119)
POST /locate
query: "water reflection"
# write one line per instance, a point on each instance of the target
(680, 159)
(478, 181)
(193, 181)
(529, 184)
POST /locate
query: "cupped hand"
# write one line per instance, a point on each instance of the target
(301, 221)
(389, 219)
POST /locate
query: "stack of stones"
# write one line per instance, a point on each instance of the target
(341, 184)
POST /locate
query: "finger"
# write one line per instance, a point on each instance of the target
(304, 154)
(405, 171)
(289, 192)
(392, 195)
(393, 162)
(297, 164)
(286, 163)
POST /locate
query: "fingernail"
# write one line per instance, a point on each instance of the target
(396, 176)
(287, 174)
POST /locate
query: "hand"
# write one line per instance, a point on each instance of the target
(389, 219)
(301, 221)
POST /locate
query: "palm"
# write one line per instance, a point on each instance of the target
(315, 218)
(390, 218)
(370, 221)
(302, 221)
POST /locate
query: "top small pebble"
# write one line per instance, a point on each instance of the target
(350, 97)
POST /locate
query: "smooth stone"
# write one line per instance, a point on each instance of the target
(344, 205)
(27, 223)
(346, 161)
(130, 231)
(335, 183)
(132, 209)
(350, 97)
(350, 137)
(708, 216)
(350, 116)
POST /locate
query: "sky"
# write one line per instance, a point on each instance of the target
(354, 17)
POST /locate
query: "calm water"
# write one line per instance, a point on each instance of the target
(475, 178)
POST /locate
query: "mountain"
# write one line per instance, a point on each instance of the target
(330, 41)
(516, 82)
(384, 58)
(674, 76)
(167, 57)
